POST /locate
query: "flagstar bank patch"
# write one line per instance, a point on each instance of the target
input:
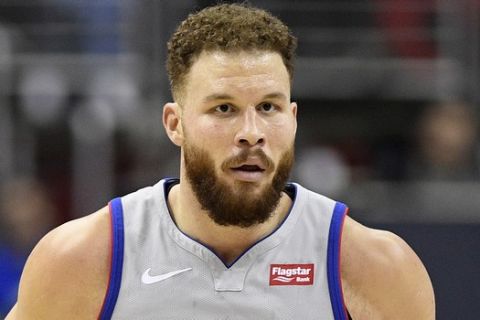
(291, 274)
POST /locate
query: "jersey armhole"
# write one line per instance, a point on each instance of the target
(333, 261)
(116, 258)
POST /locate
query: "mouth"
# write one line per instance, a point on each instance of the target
(249, 168)
(248, 173)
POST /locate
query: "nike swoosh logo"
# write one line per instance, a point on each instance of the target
(149, 279)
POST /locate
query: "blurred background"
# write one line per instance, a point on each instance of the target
(388, 94)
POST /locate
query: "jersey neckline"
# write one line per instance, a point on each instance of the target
(244, 260)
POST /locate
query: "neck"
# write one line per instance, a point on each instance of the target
(228, 242)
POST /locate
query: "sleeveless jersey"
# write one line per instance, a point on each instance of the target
(158, 272)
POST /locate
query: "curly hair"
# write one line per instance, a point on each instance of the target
(226, 27)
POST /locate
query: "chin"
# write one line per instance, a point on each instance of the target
(252, 187)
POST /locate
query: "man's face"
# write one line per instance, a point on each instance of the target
(238, 127)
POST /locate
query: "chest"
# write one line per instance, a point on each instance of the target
(279, 284)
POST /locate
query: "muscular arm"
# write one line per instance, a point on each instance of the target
(66, 275)
(382, 277)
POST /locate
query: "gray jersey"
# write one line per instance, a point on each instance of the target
(158, 272)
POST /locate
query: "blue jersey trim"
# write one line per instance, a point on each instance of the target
(116, 211)
(333, 262)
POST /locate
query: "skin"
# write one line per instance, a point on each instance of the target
(67, 273)
(382, 277)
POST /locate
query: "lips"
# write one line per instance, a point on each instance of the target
(249, 165)
(248, 173)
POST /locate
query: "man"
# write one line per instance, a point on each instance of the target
(230, 239)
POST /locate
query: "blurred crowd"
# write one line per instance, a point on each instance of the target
(442, 145)
(27, 212)
(80, 123)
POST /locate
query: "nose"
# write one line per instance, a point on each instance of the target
(250, 133)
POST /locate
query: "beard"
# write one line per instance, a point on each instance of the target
(236, 205)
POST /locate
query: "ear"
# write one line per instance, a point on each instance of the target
(293, 107)
(172, 121)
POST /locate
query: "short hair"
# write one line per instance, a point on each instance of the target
(229, 28)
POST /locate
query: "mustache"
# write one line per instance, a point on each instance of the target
(242, 157)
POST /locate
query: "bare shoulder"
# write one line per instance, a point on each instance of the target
(66, 275)
(382, 277)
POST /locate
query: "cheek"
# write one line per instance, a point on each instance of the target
(282, 132)
(208, 134)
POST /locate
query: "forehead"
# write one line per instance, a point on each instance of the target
(240, 72)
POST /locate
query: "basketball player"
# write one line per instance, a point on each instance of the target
(229, 239)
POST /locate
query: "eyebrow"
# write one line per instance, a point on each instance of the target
(221, 96)
(217, 96)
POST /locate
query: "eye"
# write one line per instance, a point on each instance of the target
(266, 107)
(224, 108)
